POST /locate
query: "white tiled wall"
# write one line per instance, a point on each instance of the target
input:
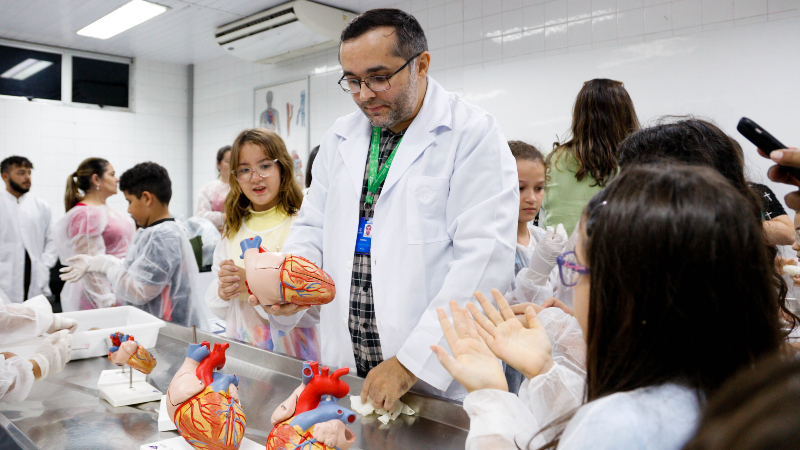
(58, 137)
(468, 37)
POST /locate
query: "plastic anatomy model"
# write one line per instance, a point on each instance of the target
(127, 352)
(311, 419)
(274, 277)
(204, 404)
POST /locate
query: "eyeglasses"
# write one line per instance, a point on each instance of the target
(569, 269)
(245, 173)
(376, 83)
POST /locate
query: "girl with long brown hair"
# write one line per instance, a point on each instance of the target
(90, 227)
(579, 167)
(656, 301)
(263, 201)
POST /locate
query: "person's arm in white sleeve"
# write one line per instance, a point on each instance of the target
(204, 207)
(305, 238)
(525, 291)
(94, 284)
(218, 306)
(50, 252)
(482, 212)
(149, 273)
(21, 321)
(500, 420)
(16, 378)
(566, 336)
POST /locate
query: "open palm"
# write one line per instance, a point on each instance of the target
(472, 364)
(526, 349)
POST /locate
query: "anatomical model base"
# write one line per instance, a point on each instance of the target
(274, 278)
(204, 404)
(311, 419)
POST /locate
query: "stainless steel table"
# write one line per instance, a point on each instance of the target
(64, 411)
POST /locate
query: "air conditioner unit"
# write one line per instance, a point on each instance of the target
(286, 31)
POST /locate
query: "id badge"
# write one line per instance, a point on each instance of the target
(364, 240)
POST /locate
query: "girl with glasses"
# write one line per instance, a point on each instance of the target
(263, 201)
(658, 284)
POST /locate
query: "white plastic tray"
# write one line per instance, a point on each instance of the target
(88, 342)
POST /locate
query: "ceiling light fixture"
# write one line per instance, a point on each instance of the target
(26, 68)
(123, 18)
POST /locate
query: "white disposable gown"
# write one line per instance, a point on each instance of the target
(658, 417)
(19, 322)
(523, 290)
(211, 202)
(25, 225)
(91, 230)
(159, 275)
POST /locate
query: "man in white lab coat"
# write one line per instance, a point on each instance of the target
(399, 243)
(27, 249)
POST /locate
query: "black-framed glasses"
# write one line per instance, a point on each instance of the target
(245, 173)
(569, 269)
(376, 83)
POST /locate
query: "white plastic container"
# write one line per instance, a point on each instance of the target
(94, 327)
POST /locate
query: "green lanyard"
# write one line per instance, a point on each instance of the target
(376, 177)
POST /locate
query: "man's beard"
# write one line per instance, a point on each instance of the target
(399, 111)
(18, 188)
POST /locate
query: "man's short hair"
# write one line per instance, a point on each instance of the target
(147, 177)
(11, 161)
(411, 39)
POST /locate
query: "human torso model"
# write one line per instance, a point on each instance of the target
(127, 352)
(310, 419)
(204, 404)
(274, 277)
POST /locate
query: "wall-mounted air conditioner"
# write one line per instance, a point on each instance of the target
(286, 31)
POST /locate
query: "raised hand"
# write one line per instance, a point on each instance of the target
(525, 348)
(472, 364)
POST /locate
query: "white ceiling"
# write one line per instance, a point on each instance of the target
(183, 35)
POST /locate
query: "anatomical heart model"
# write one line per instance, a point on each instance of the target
(204, 404)
(311, 419)
(127, 352)
(274, 277)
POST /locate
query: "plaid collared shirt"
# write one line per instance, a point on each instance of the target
(362, 323)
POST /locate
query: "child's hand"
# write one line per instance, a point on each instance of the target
(230, 280)
(525, 348)
(472, 364)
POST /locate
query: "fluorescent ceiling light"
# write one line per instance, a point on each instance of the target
(125, 17)
(26, 68)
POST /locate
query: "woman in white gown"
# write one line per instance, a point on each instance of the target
(90, 227)
(211, 201)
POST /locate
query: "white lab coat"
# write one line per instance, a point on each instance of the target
(25, 225)
(444, 227)
(19, 322)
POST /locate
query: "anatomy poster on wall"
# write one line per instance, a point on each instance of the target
(283, 108)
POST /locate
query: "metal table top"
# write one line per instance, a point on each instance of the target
(64, 411)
